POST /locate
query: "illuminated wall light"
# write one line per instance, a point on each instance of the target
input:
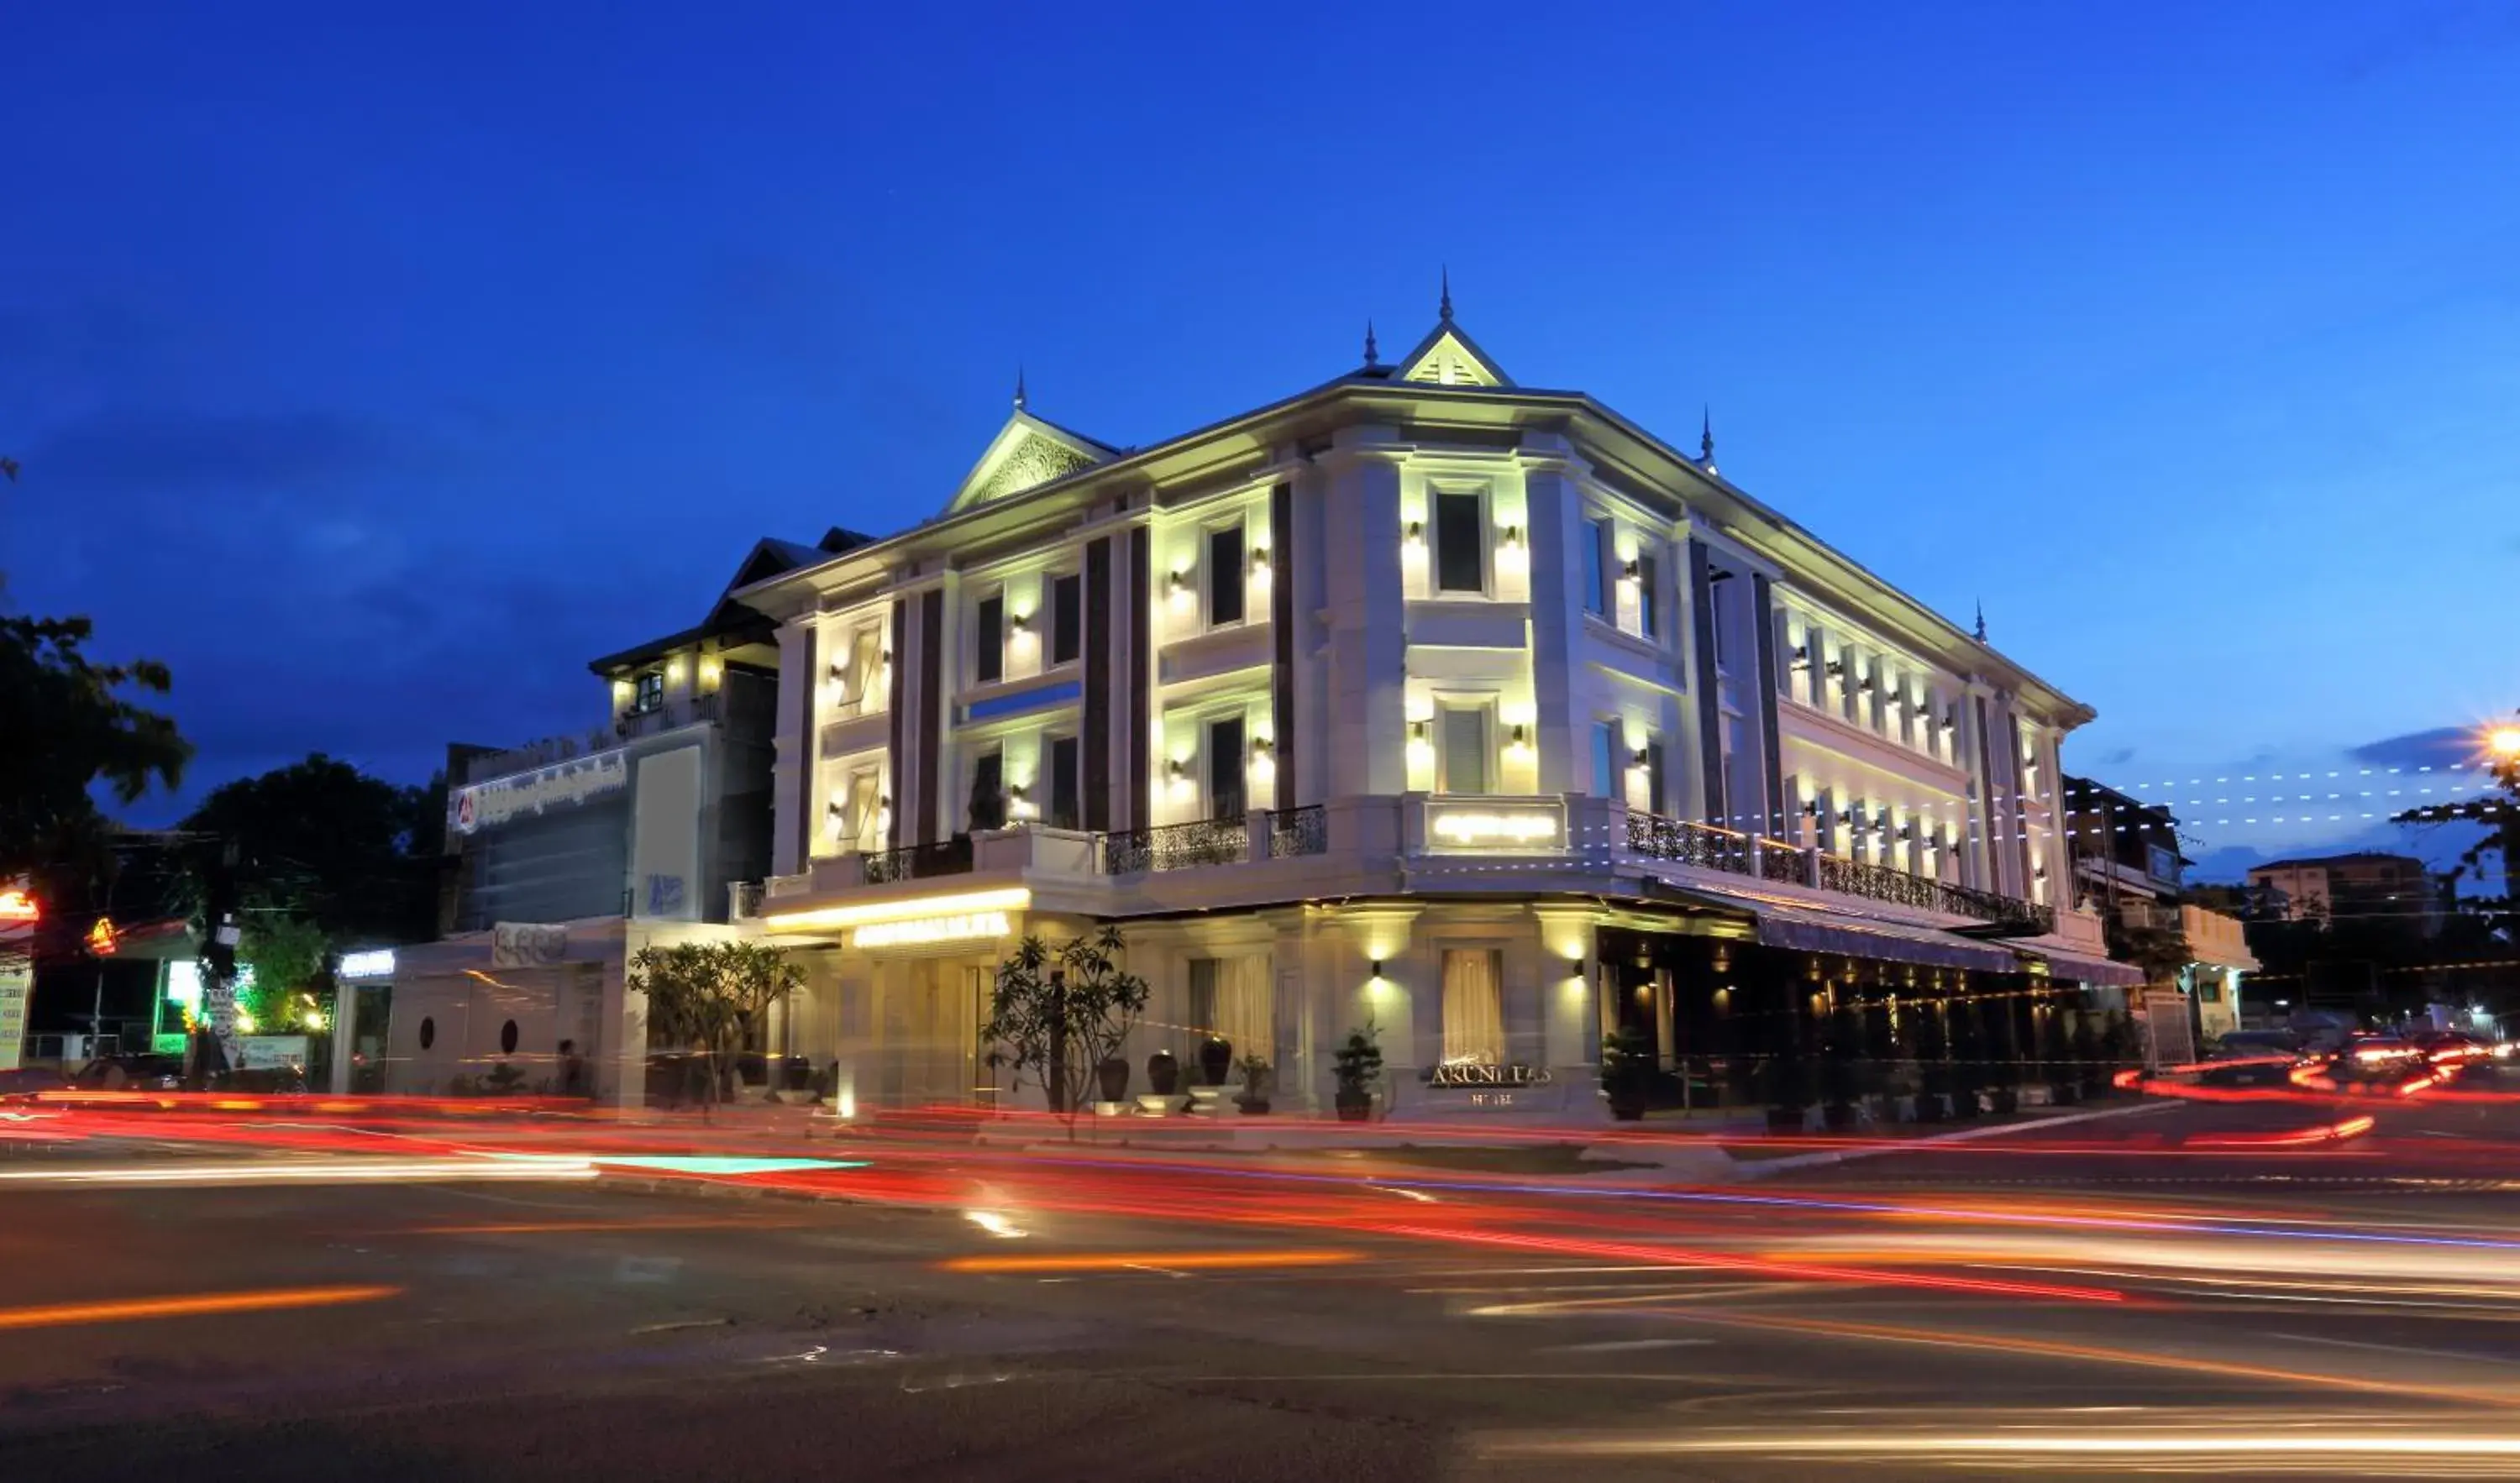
(1260, 561)
(1013, 898)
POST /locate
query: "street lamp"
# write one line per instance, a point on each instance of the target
(2504, 742)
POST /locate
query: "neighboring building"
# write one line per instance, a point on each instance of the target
(571, 854)
(2365, 883)
(2127, 865)
(1418, 700)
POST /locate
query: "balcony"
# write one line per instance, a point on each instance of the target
(918, 862)
(1684, 841)
(1178, 846)
(689, 710)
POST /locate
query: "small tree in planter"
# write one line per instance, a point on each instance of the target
(1254, 1100)
(1355, 1066)
(1060, 1013)
(710, 996)
(1628, 1065)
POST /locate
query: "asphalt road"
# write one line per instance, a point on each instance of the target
(1006, 1316)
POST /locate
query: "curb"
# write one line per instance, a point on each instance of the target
(1759, 1168)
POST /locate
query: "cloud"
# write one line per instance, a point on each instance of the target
(2441, 746)
(2117, 756)
(136, 453)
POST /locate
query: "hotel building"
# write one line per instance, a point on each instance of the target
(1419, 699)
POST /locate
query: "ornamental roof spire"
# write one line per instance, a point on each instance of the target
(1981, 620)
(1368, 345)
(1444, 310)
(1019, 388)
(1705, 435)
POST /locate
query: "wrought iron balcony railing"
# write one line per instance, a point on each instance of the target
(1178, 846)
(918, 862)
(1295, 832)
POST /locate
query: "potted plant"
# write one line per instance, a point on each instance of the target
(1111, 1078)
(1627, 1073)
(1215, 1060)
(1163, 1073)
(1254, 1100)
(1355, 1066)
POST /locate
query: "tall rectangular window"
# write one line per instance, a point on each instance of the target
(1063, 780)
(1461, 542)
(1066, 617)
(1474, 1006)
(1596, 557)
(1465, 749)
(988, 805)
(989, 640)
(650, 692)
(1225, 576)
(864, 822)
(1607, 758)
(1654, 800)
(1648, 589)
(1225, 792)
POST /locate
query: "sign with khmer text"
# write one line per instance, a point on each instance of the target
(487, 805)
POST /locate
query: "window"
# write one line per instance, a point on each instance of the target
(650, 693)
(1648, 617)
(1225, 576)
(1597, 556)
(1066, 618)
(865, 814)
(1606, 757)
(1715, 622)
(1225, 792)
(1461, 542)
(1230, 999)
(1653, 777)
(988, 791)
(1064, 811)
(1473, 1007)
(989, 640)
(1465, 753)
(866, 667)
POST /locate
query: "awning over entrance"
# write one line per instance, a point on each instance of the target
(2086, 969)
(1813, 930)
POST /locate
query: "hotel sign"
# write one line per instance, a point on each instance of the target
(1471, 1074)
(1495, 828)
(487, 805)
(914, 930)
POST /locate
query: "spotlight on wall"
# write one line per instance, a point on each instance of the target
(1417, 532)
(1512, 536)
(1260, 560)
(1632, 570)
(1378, 968)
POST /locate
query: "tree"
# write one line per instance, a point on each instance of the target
(711, 996)
(2499, 813)
(1059, 1012)
(65, 726)
(287, 955)
(323, 843)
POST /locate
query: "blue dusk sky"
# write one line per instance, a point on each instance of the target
(377, 366)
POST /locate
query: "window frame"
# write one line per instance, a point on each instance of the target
(1600, 591)
(647, 693)
(1609, 758)
(989, 647)
(1484, 711)
(1648, 598)
(1072, 776)
(1212, 582)
(1066, 615)
(1483, 554)
(993, 756)
(1212, 759)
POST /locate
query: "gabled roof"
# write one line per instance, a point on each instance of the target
(1449, 357)
(1028, 451)
(727, 618)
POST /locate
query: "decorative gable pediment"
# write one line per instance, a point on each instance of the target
(1447, 357)
(1027, 453)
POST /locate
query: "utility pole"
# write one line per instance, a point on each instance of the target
(211, 1050)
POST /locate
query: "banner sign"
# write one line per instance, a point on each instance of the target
(526, 945)
(1478, 1074)
(17, 982)
(487, 805)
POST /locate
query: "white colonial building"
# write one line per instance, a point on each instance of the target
(1421, 700)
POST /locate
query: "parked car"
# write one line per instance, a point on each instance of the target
(2251, 1058)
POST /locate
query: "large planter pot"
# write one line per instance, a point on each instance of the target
(1784, 1119)
(2004, 1100)
(1253, 1107)
(1355, 1104)
(1929, 1107)
(1839, 1115)
(1111, 1079)
(1163, 1073)
(1215, 1058)
(1627, 1109)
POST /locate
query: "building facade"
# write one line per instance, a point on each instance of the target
(2128, 868)
(1421, 701)
(2363, 883)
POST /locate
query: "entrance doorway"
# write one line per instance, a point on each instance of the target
(931, 1023)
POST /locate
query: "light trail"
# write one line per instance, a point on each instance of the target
(344, 1171)
(1182, 1261)
(194, 1305)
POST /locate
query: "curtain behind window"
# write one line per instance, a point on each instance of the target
(1473, 1007)
(1245, 1004)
